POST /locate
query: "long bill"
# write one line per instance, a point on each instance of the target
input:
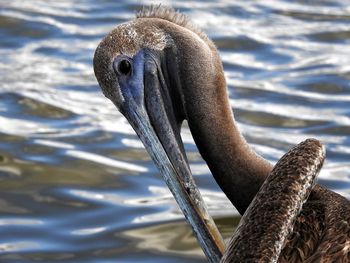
(152, 118)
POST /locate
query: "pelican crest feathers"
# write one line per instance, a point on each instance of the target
(171, 15)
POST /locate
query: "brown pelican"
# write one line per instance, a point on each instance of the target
(159, 69)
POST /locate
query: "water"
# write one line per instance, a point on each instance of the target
(76, 183)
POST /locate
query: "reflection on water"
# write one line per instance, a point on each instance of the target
(175, 238)
(76, 183)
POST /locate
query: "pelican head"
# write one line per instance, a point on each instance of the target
(146, 67)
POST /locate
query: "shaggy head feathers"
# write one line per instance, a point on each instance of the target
(169, 14)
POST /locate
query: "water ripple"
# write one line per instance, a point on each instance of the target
(77, 184)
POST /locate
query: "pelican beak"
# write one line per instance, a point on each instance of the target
(149, 110)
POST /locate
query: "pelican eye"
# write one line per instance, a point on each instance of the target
(124, 67)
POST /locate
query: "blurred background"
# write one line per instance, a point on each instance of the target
(76, 184)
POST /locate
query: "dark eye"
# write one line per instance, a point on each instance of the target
(124, 67)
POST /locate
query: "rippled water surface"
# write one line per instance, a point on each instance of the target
(76, 183)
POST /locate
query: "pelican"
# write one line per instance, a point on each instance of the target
(159, 70)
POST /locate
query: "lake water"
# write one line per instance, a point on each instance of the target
(76, 185)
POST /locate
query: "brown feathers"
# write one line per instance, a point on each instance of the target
(269, 219)
(321, 231)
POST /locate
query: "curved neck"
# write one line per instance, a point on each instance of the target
(237, 169)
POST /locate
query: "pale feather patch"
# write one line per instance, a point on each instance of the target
(145, 37)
